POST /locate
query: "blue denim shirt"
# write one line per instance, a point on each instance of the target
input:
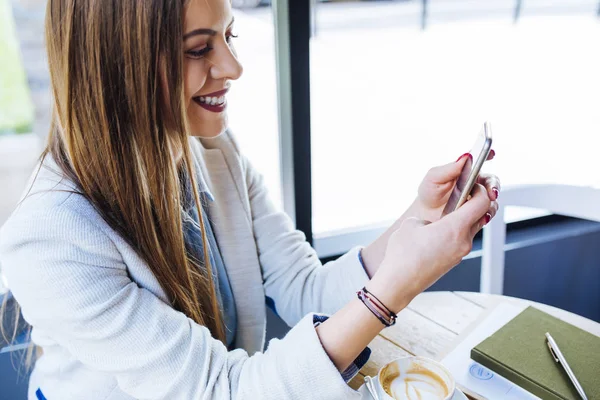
(193, 239)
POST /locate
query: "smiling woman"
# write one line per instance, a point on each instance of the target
(146, 247)
(210, 64)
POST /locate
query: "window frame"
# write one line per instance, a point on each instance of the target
(294, 108)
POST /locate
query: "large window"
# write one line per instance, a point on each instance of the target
(396, 89)
(253, 98)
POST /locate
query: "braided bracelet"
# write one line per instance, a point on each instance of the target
(383, 314)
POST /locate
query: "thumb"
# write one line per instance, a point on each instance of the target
(449, 172)
(473, 210)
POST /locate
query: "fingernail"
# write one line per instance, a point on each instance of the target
(463, 156)
(488, 218)
(496, 193)
(493, 153)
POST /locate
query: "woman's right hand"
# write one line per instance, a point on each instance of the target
(419, 253)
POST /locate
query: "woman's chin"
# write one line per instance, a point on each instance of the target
(206, 123)
(207, 135)
(207, 130)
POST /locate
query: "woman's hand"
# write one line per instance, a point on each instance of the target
(419, 253)
(436, 187)
(434, 192)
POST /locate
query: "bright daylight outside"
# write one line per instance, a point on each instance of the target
(390, 99)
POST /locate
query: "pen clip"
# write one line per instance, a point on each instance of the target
(552, 351)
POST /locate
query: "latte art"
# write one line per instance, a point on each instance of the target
(413, 383)
(418, 385)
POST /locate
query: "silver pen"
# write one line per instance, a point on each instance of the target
(559, 358)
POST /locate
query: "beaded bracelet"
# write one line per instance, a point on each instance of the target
(383, 314)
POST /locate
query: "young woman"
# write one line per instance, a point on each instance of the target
(146, 248)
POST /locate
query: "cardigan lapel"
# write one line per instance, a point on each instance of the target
(229, 213)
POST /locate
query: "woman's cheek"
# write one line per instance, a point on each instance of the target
(195, 77)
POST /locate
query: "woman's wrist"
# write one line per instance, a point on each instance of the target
(388, 293)
(369, 260)
(373, 254)
(416, 210)
(347, 332)
(386, 316)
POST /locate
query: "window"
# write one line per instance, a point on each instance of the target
(252, 100)
(393, 94)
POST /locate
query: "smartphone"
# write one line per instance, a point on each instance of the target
(468, 176)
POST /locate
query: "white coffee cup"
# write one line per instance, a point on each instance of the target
(411, 378)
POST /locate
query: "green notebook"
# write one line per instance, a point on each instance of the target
(518, 352)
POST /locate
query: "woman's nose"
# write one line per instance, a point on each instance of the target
(226, 65)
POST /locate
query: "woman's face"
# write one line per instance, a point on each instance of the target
(210, 64)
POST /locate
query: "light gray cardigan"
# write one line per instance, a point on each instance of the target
(107, 329)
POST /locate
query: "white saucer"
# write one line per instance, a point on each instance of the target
(458, 395)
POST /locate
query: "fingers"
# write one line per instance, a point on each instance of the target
(449, 172)
(491, 184)
(493, 210)
(485, 219)
(473, 210)
(491, 155)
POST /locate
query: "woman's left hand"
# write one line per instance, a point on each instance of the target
(434, 192)
(436, 187)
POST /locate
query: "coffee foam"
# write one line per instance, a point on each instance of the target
(414, 383)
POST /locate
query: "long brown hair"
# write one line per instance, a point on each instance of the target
(116, 69)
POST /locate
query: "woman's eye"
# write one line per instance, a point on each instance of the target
(230, 36)
(199, 52)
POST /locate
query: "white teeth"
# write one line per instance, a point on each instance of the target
(212, 100)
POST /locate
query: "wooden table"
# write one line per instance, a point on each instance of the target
(432, 324)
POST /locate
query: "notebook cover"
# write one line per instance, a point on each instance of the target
(518, 352)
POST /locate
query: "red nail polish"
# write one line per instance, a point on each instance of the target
(493, 153)
(496, 193)
(488, 218)
(463, 156)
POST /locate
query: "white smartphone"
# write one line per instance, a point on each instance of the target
(468, 177)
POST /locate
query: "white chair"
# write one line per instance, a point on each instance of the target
(572, 201)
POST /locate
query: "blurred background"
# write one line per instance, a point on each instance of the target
(344, 105)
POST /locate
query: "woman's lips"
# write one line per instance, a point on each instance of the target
(214, 102)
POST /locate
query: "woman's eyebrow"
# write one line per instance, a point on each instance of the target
(205, 31)
(201, 31)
